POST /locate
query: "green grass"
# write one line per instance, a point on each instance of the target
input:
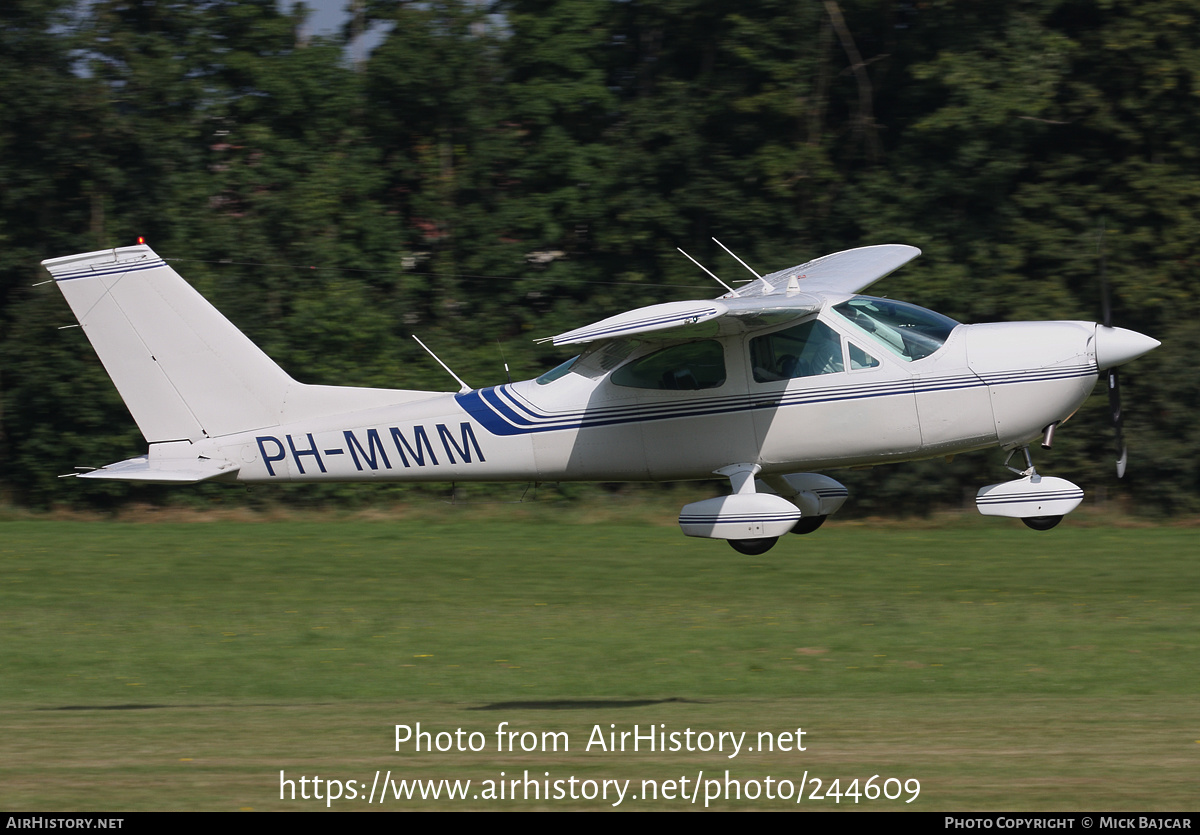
(1003, 668)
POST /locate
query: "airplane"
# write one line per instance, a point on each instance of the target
(792, 372)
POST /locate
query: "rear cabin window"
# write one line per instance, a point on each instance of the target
(556, 372)
(687, 367)
(806, 350)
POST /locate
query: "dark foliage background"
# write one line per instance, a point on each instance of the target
(495, 173)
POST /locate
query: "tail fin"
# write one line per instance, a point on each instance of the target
(183, 369)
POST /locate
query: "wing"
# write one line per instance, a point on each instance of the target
(672, 320)
(842, 272)
(774, 299)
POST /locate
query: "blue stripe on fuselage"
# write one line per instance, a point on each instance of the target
(501, 411)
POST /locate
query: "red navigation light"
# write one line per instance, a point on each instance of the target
(141, 240)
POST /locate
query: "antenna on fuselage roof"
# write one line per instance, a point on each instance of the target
(464, 387)
(739, 260)
(504, 359)
(707, 270)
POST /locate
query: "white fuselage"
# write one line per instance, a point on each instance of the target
(997, 384)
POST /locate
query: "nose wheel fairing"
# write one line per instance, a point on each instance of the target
(1039, 501)
(1032, 497)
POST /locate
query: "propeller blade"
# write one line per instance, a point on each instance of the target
(1105, 298)
(1114, 383)
(1114, 409)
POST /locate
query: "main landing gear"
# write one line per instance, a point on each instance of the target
(808, 524)
(754, 547)
(760, 512)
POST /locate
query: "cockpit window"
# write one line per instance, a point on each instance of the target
(861, 359)
(693, 365)
(556, 372)
(908, 331)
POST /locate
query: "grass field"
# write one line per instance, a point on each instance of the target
(182, 666)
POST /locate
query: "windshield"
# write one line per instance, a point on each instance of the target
(908, 331)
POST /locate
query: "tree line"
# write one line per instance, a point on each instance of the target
(488, 174)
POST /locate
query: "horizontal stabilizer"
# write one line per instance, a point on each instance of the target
(169, 471)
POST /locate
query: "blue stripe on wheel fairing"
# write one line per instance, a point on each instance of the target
(1016, 498)
(737, 520)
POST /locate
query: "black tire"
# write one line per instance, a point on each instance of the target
(809, 524)
(753, 547)
(1041, 523)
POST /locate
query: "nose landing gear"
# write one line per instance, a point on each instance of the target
(1041, 523)
(1038, 501)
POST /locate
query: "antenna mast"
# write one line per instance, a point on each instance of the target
(707, 270)
(463, 387)
(739, 260)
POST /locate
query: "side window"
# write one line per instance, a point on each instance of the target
(803, 351)
(861, 359)
(556, 372)
(693, 365)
